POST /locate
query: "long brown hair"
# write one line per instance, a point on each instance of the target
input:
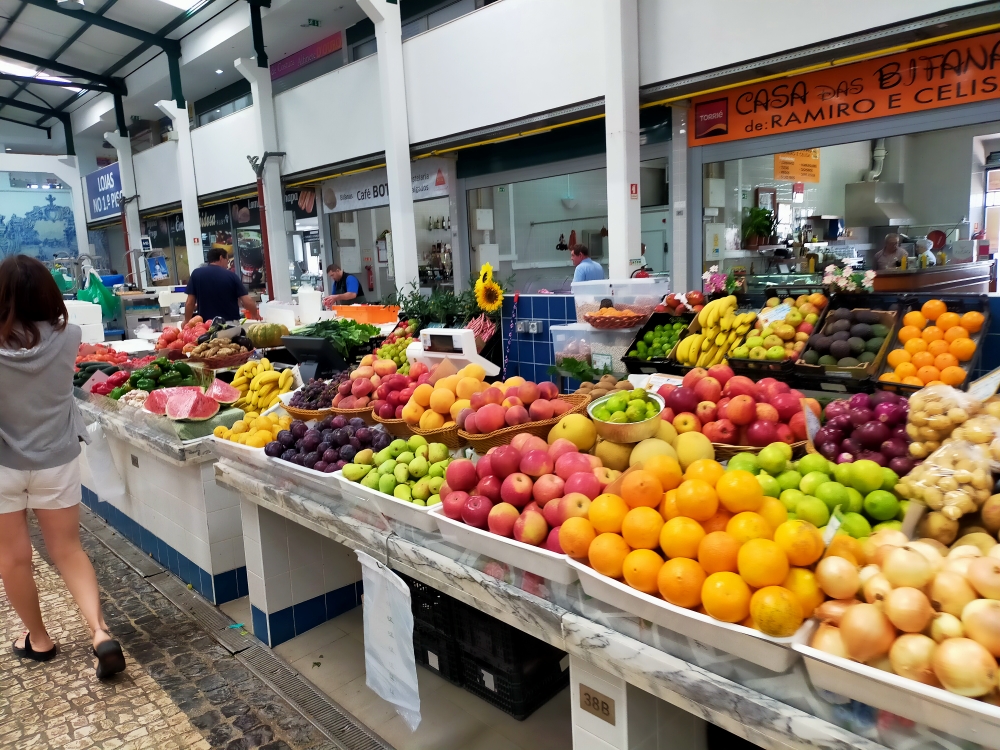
(28, 296)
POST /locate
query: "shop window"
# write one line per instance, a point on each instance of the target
(227, 108)
(418, 16)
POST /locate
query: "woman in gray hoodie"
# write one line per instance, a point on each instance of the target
(40, 433)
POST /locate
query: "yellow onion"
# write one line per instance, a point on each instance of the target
(994, 551)
(827, 639)
(889, 536)
(984, 575)
(934, 557)
(908, 609)
(877, 589)
(907, 567)
(867, 572)
(833, 609)
(837, 577)
(982, 624)
(942, 549)
(964, 667)
(958, 565)
(911, 656)
(881, 662)
(950, 592)
(965, 550)
(866, 632)
(882, 552)
(946, 626)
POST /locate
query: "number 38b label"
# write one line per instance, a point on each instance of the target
(597, 704)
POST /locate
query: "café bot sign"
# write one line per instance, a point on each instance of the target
(104, 192)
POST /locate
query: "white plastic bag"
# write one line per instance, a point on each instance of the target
(104, 477)
(391, 670)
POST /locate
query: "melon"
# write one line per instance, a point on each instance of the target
(156, 402)
(194, 406)
(223, 392)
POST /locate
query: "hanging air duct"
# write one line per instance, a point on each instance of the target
(872, 203)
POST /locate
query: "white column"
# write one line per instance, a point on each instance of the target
(385, 15)
(680, 268)
(278, 240)
(123, 145)
(621, 108)
(187, 180)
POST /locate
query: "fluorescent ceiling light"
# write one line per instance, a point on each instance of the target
(218, 72)
(182, 4)
(71, 4)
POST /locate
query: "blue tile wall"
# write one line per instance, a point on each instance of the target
(283, 625)
(218, 589)
(530, 355)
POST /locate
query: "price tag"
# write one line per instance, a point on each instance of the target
(95, 379)
(772, 314)
(597, 704)
(655, 381)
(831, 528)
(812, 423)
(986, 386)
(602, 362)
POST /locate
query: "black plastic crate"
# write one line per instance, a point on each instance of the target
(518, 690)
(432, 608)
(636, 365)
(437, 652)
(497, 642)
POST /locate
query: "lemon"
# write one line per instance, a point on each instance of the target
(239, 426)
(219, 431)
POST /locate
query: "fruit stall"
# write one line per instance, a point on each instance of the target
(798, 526)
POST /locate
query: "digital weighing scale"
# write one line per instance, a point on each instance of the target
(455, 344)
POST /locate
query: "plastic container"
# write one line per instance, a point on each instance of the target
(497, 643)
(83, 313)
(639, 295)
(432, 608)
(771, 653)
(537, 560)
(589, 295)
(417, 516)
(968, 718)
(519, 691)
(638, 365)
(437, 652)
(601, 348)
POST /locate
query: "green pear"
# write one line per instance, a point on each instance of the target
(382, 456)
(387, 483)
(371, 480)
(419, 467)
(421, 503)
(366, 457)
(405, 457)
(436, 470)
(437, 452)
(401, 473)
(402, 492)
(416, 441)
(421, 490)
(356, 472)
(421, 451)
(433, 500)
(387, 467)
(435, 483)
(396, 447)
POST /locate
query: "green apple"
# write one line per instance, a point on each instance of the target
(772, 460)
(776, 353)
(740, 352)
(758, 352)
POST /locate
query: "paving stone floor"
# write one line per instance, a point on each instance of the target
(181, 689)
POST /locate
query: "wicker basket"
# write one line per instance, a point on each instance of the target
(307, 414)
(724, 452)
(447, 435)
(364, 412)
(395, 427)
(222, 363)
(483, 442)
(615, 321)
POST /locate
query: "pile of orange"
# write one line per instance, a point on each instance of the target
(934, 344)
(713, 543)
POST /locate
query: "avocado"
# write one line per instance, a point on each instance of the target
(840, 336)
(826, 359)
(857, 345)
(848, 362)
(874, 345)
(866, 357)
(821, 343)
(837, 326)
(880, 331)
(870, 317)
(811, 357)
(841, 313)
(861, 330)
(840, 349)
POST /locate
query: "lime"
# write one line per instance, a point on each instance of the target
(833, 494)
(812, 480)
(894, 525)
(769, 484)
(743, 462)
(648, 337)
(784, 448)
(813, 462)
(889, 479)
(616, 403)
(602, 413)
(789, 480)
(903, 506)
(842, 473)
(618, 418)
(855, 501)
(856, 525)
(772, 459)
(881, 505)
(791, 498)
(813, 510)
(866, 477)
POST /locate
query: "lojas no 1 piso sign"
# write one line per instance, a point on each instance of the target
(104, 192)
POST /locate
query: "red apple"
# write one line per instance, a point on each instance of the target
(784, 434)
(708, 389)
(767, 413)
(692, 376)
(461, 475)
(393, 397)
(573, 505)
(761, 433)
(667, 414)
(664, 390)
(720, 431)
(552, 513)
(682, 399)
(485, 467)
(476, 511)
(741, 410)
(722, 373)
(584, 483)
(516, 490)
(739, 385)
(804, 327)
(489, 487)
(797, 424)
(453, 504)
(595, 461)
(502, 518)
(531, 528)
(687, 422)
(406, 394)
(695, 298)
(423, 378)
(706, 411)
(571, 463)
(536, 463)
(552, 542)
(548, 487)
(787, 406)
(506, 460)
(606, 476)
(561, 446)
(532, 506)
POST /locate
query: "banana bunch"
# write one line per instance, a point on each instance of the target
(261, 385)
(722, 330)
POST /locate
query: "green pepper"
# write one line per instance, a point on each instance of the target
(187, 382)
(162, 362)
(151, 372)
(145, 384)
(134, 378)
(183, 368)
(118, 392)
(170, 379)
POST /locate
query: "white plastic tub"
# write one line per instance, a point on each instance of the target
(588, 296)
(934, 707)
(417, 516)
(639, 295)
(537, 560)
(775, 654)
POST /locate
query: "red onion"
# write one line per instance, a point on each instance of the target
(890, 414)
(874, 456)
(894, 447)
(900, 432)
(884, 397)
(840, 422)
(850, 445)
(845, 458)
(861, 416)
(828, 435)
(902, 465)
(860, 401)
(836, 408)
(871, 434)
(828, 450)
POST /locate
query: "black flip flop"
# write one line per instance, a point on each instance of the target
(29, 653)
(110, 659)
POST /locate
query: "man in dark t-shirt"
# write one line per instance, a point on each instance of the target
(215, 291)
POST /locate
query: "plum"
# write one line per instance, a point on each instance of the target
(319, 466)
(339, 421)
(364, 436)
(331, 455)
(357, 423)
(274, 449)
(299, 428)
(309, 459)
(286, 438)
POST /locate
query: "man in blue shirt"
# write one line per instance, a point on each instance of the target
(586, 269)
(216, 292)
(346, 288)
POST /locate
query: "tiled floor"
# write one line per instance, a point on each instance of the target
(332, 657)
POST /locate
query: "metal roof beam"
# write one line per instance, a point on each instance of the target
(167, 45)
(67, 70)
(48, 131)
(64, 118)
(29, 80)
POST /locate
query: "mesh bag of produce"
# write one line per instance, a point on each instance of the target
(934, 413)
(955, 479)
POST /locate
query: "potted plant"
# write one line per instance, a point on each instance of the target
(758, 226)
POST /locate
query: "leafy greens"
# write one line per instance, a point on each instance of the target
(343, 334)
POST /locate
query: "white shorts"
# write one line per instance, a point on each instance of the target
(48, 489)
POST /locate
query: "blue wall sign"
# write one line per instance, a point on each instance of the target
(104, 191)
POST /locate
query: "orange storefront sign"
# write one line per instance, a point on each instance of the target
(942, 75)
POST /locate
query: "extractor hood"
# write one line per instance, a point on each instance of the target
(875, 204)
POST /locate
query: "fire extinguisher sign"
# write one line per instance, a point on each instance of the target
(633, 192)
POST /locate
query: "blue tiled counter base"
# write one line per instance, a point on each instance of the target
(531, 355)
(283, 625)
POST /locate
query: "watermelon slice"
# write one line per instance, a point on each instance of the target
(156, 402)
(192, 405)
(223, 392)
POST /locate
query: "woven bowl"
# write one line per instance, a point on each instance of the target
(364, 412)
(724, 451)
(629, 320)
(626, 432)
(307, 414)
(447, 435)
(395, 427)
(482, 442)
(222, 363)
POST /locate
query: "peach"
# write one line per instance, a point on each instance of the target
(461, 475)
(363, 372)
(516, 415)
(574, 505)
(527, 392)
(412, 412)
(468, 423)
(492, 396)
(476, 401)
(502, 518)
(559, 407)
(512, 401)
(516, 490)
(510, 392)
(490, 417)
(384, 367)
(541, 409)
(516, 380)
(584, 483)
(531, 528)
(536, 463)
(546, 488)
(561, 446)
(525, 441)
(570, 463)
(367, 360)
(742, 410)
(547, 390)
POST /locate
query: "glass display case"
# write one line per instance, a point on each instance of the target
(763, 282)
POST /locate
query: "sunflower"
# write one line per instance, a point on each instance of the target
(489, 295)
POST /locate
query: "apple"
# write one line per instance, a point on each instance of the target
(531, 528)
(525, 441)
(784, 434)
(595, 461)
(502, 518)
(682, 399)
(571, 463)
(532, 506)
(552, 514)
(461, 475)
(606, 476)
(686, 422)
(574, 504)
(516, 490)
(453, 504)
(561, 446)
(664, 390)
(741, 410)
(667, 414)
(761, 433)
(485, 467)
(797, 424)
(584, 483)
(692, 376)
(706, 410)
(535, 463)
(739, 385)
(708, 389)
(489, 487)
(721, 407)
(549, 487)
(767, 413)
(695, 298)
(406, 394)
(506, 460)
(720, 431)
(552, 542)
(722, 373)
(787, 406)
